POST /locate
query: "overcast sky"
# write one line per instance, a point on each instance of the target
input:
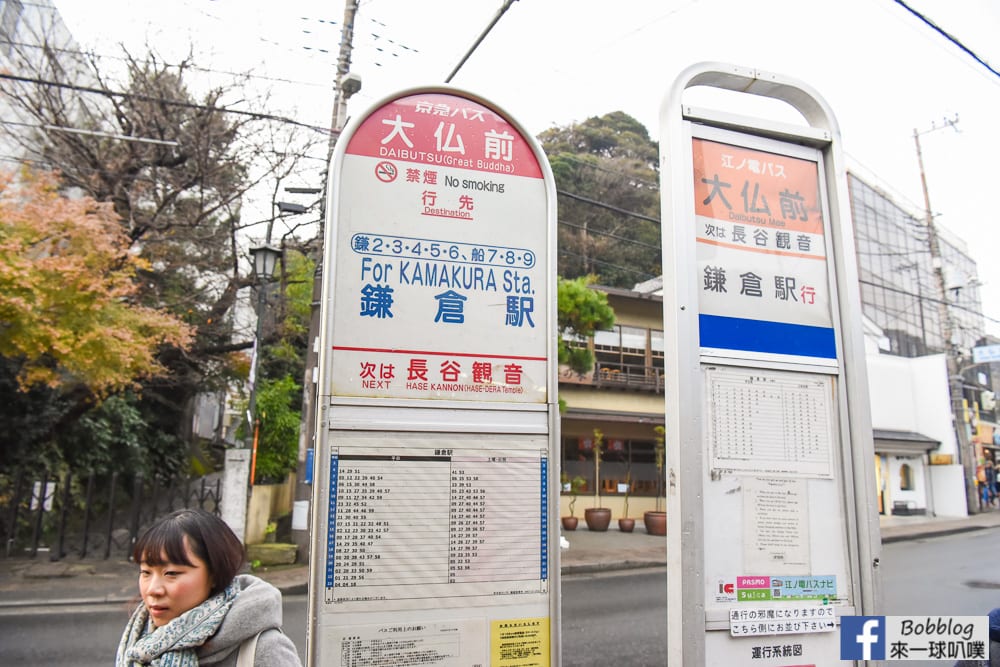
(884, 72)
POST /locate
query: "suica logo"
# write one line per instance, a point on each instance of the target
(862, 638)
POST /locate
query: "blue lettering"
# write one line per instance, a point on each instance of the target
(441, 275)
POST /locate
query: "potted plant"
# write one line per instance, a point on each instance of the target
(626, 524)
(574, 486)
(271, 532)
(656, 521)
(598, 518)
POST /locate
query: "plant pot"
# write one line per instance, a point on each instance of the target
(598, 518)
(656, 522)
(570, 522)
(626, 525)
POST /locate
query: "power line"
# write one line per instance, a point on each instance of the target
(610, 235)
(609, 207)
(931, 299)
(74, 130)
(160, 100)
(567, 253)
(207, 70)
(948, 36)
(614, 172)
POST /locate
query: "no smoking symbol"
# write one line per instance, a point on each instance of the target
(386, 172)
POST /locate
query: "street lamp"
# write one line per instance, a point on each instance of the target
(290, 207)
(265, 260)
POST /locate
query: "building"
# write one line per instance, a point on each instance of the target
(900, 295)
(35, 45)
(917, 466)
(899, 291)
(622, 399)
(919, 461)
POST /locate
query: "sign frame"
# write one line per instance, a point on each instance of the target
(448, 417)
(695, 623)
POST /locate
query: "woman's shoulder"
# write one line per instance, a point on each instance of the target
(275, 649)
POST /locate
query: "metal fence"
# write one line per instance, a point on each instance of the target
(90, 515)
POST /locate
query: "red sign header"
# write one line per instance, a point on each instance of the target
(446, 131)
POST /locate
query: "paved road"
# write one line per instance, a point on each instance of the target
(614, 618)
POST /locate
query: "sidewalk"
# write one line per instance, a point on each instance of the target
(25, 583)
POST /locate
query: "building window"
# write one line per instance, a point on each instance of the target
(622, 459)
(905, 477)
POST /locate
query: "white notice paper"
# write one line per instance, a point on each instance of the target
(776, 526)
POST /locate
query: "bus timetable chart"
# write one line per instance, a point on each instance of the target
(768, 422)
(445, 523)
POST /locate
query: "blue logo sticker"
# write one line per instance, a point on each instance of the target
(862, 637)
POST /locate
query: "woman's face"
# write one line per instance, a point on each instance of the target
(170, 589)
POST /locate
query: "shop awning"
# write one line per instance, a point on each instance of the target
(903, 443)
(614, 416)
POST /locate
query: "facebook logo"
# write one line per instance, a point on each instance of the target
(862, 637)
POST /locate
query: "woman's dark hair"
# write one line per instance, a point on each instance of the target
(209, 537)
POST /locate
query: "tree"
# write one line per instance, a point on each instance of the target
(279, 396)
(67, 293)
(606, 175)
(71, 330)
(278, 445)
(175, 166)
(581, 312)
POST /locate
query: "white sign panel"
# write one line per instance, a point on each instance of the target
(441, 280)
(768, 434)
(434, 500)
(985, 354)
(781, 621)
(761, 253)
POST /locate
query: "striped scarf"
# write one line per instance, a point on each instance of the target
(174, 644)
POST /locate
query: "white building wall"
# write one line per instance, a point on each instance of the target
(920, 491)
(911, 394)
(949, 478)
(25, 26)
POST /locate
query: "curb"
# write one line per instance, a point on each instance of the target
(65, 602)
(294, 589)
(592, 568)
(933, 533)
(302, 588)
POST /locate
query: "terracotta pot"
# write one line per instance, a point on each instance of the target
(656, 522)
(626, 525)
(569, 522)
(598, 518)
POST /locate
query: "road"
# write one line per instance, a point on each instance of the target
(615, 618)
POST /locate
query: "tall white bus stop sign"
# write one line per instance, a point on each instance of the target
(772, 528)
(433, 539)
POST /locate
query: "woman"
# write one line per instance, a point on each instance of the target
(992, 658)
(196, 609)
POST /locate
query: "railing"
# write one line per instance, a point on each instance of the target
(622, 376)
(90, 515)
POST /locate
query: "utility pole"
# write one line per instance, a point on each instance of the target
(345, 85)
(966, 449)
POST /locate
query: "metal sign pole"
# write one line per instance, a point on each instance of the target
(434, 535)
(772, 527)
